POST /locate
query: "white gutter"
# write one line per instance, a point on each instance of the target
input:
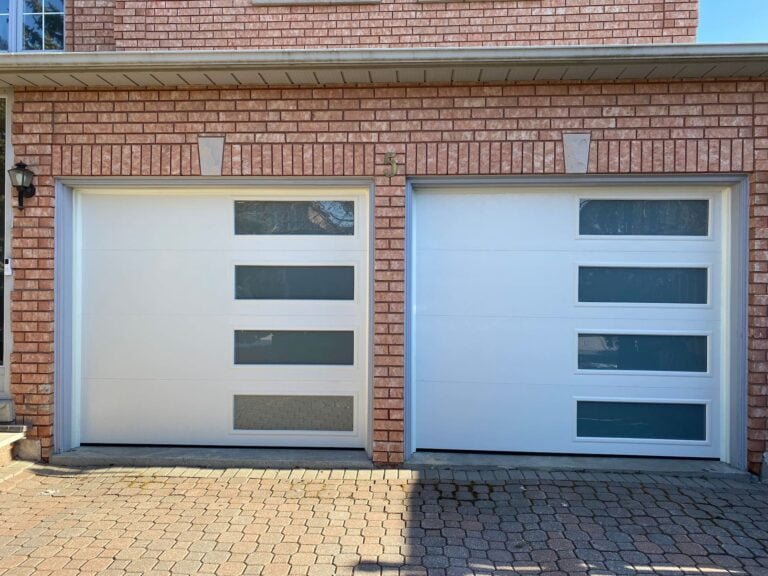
(576, 62)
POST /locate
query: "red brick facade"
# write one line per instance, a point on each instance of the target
(636, 128)
(227, 24)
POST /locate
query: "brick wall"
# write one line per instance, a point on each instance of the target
(90, 25)
(658, 127)
(212, 24)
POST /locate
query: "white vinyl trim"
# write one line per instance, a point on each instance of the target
(69, 248)
(5, 373)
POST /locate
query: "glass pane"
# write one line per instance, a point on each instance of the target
(650, 285)
(54, 6)
(294, 347)
(3, 33)
(295, 282)
(644, 217)
(641, 352)
(33, 32)
(299, 217)
(641, 420)
(4, 6)
(33, 6)
(327, 413)
(54, 32)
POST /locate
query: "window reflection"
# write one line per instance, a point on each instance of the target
(644, 217)
(642, 352)
(295, 217)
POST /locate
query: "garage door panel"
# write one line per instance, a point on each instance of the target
(175, 282)
(196, 346)
(506, 418)
(478, 349)
(160, 402)
(449, 283)
(471, 221)
(492, 419)
(161, 311)
(494, 351)
(130, 222)
(163, 282)
(208, 415)
(145, 346)
(497, 359)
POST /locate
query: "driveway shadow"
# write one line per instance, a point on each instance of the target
(462, 523)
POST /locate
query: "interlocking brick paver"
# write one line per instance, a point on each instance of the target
(405, 523)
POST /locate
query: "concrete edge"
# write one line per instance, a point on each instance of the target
(83, 459)
(681, 468)
(10, 438)
(671, 473)
(14, 469)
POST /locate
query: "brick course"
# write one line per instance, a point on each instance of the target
(90, 25)
(636, 128)
(230, 24)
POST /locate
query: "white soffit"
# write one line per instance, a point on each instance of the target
(384, 65)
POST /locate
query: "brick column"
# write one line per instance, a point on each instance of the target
(757, 410)
(32, 248)
(389, 313)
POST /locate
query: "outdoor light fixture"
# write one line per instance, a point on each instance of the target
(21, 179)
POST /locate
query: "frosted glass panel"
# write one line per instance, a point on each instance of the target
(642, 352)
(644, 217)
(649, 285)
(641, 420)
(294, 347)
(295, 282)
(265, 412)
(304, 218)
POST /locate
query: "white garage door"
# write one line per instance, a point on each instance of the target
(568, 321)
(224, 318)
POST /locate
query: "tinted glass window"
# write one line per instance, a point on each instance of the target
(644, 217)
(641, 420)
(642, 352)
(323, 218)
(643, 285)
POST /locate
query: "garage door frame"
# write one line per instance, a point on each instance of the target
(735, 201)
(66, 293)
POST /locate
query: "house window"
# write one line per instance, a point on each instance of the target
(31, 25)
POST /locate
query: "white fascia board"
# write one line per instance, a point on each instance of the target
(90, 64)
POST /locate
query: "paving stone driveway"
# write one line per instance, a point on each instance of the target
(187, 521)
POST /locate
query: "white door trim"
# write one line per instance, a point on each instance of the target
(5, 372)
(67, 330)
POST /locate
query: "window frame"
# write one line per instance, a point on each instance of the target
(15, 29)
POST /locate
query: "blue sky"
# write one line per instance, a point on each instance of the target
(733, 21)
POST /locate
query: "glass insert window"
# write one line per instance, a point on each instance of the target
(318, 347)
(294, 282)
(646, 420)
(317, 413)
(319, 218)
(643, 352)
(644, 217)
(643, 285)
(43, 25)
(5, 19)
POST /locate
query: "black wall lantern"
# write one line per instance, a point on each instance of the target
(21, 179)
